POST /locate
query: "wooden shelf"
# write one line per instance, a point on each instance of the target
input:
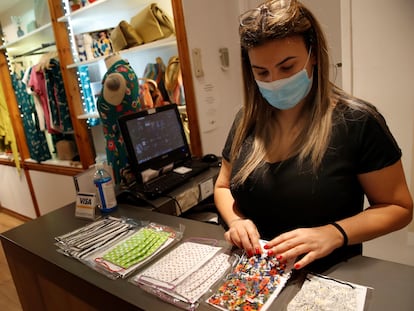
(93, 115)
(6, 160)
(60, 168)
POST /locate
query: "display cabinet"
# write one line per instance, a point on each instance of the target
(107, 14)
(58, 35)
(35, 38)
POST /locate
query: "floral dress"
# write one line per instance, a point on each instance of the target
(115, 147)
(36, 139)
(58, 104)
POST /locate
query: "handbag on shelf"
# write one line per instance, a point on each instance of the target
(152, 23)
(124, 36)
(174, 81)
(156, 71)
(149, 94)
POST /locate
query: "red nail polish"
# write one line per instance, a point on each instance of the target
(258, 252)
(279, 257)
(297, 266)
(266, 246)
(249, 253)
(270, 253)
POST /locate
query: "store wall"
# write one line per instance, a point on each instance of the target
(382, 73)
(52, 191)
(14, 192)
(218, 89)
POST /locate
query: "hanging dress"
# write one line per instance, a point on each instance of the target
(6, 129)
(36, 139)
(58, 104)
(38, 85)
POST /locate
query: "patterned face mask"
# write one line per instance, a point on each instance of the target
(136, 248)
(253, 282)
(185, 273)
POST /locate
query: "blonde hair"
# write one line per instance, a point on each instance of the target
(275, 21)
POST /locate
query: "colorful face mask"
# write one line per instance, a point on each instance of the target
(287, 93)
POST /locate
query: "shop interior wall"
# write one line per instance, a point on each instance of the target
(382, 52)
(217, 88)
(14, 192)
(52, 190)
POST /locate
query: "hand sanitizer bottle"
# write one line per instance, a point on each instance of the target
(106, 197)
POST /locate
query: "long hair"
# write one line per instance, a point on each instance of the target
(279, 19)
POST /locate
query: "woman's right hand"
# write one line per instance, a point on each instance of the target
(244, 234)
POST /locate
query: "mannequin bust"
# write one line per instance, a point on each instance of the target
(115, 84)
(119, 96)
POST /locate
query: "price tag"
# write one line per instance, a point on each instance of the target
(85, 205)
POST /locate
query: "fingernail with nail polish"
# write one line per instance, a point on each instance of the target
(270, 253)
(258, 252)
(297, 266)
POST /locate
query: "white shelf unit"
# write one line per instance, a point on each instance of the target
(30, 41)
(104, 14)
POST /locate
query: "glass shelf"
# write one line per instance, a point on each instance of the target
(31, 41)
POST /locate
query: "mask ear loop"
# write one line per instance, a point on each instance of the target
(307, 59)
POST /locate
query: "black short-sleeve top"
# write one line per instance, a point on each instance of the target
(282, 196)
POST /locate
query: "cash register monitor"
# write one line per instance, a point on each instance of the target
(155, 138)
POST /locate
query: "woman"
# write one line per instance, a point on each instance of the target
(302, 153)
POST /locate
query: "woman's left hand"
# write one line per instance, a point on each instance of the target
(313, 243)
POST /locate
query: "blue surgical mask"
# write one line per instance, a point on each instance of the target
(287, 93)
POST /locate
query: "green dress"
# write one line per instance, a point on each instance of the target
(115, 147)
(36, 139)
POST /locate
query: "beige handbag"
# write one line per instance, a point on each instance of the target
(124, 36)
(174, 81)
(152, 23)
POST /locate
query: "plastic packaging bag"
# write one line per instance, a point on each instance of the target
(122, 258)
(97, 235)
(186, 273)
(253, 284)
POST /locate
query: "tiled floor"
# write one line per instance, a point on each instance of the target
(9, 300)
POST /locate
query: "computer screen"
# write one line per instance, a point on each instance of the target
(154, 138)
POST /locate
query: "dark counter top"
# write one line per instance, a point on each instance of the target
(33, 244)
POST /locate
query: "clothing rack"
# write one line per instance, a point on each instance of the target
(35, 51)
